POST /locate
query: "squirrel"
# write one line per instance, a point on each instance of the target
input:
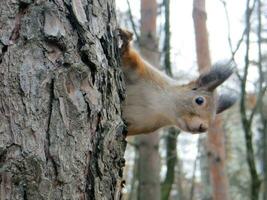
(154, 100)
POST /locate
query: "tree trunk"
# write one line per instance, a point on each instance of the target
(148, 167)
(206, 193)
(171, 160)
(149, 160)
(216, 149)
(247, 121)
(172, 133)
(264, 146)
(60, 92)
(262, 103)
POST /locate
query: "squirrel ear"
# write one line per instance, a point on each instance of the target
(216, 76)
(224, 102)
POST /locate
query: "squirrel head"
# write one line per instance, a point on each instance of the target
(197, 102)
(154, 100)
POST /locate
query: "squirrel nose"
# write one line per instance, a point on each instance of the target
(202, 128)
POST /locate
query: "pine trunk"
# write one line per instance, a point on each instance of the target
(216, 149)
(60, 93)
(149, 160)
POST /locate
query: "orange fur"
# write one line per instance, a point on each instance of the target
(154, 100)
(133, 60)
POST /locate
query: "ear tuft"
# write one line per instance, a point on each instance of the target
(216, 76)
(224, 102)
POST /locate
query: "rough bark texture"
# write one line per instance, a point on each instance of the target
(60, 92)
(149, 160)
(216, 149)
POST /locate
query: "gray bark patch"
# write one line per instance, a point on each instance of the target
(60, 95)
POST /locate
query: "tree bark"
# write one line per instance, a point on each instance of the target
(149, 159)
(60, 94)
(216, 149)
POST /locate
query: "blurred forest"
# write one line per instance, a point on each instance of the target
(230, 161)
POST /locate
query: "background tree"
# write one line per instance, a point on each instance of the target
(206, 192)
(216, 150)
(189, 172)
(262, 96)
(148, 144)
(60, 94)
(172, 133)
(247, 117)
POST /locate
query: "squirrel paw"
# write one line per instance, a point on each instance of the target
(126, 37)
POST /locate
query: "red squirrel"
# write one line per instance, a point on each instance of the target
(154, 100)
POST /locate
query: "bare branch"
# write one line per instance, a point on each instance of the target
(233, 51)
(132, 22)
(246, 122)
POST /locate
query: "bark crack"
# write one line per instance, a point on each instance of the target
(23, 7)
(25, 197)
(91, 65)
(84, 40)
(105, 45)
(3, 153)
(48, 140)
(4, 50)
(93, 168)
(90, 191)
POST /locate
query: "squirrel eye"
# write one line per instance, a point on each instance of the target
(199, 100)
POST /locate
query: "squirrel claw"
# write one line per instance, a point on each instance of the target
(126, 37)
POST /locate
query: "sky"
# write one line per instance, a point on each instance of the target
(182, 30)
(183, 47)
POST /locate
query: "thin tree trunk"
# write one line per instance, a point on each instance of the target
(264, 153)
(264, 147)
(133, 191)
(172, 133)
(247, 121)
(262, 110)
(149, 160)
(148, 167)
(216, 153)
(171, 159)
(167, 39)
(201, 35)
(180, 177)
(192, 189)
(206, 193)
(216, 149)
(60, 92)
